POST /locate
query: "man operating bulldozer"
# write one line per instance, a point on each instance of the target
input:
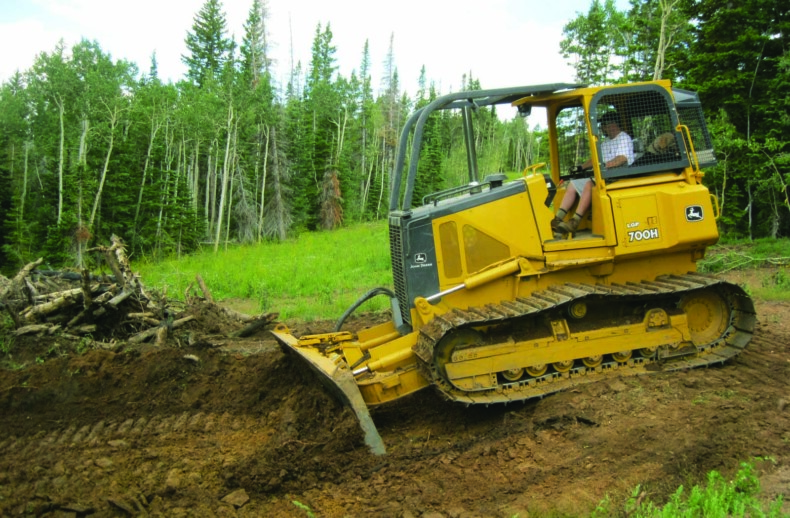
(617, 150)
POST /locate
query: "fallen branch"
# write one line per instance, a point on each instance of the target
(85, 329)
(161, 336)
(32, 329)
(148, 333)
(87, 296)
(236, 314)
(16, 282)
(255, 325)
(204, 288)
(49, 307)
(125, 294)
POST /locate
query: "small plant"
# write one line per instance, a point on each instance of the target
(6, 322)
(303, 507)
(15, 366)
(6, 344)
(700, 399)
(737, 497)
(782, 279)
(603, 508)
(84, 344)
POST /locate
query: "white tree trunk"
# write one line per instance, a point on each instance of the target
(225, 174)
(61, 111)
(266, 133)
(151, 138)
(113, 122)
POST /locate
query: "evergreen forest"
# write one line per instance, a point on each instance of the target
(91, 146)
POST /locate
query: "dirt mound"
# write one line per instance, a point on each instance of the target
(219, 426)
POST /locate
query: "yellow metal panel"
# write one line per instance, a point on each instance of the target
(664, 217)
(602, 341)
(450, 257)
(481, 249)
(491, 233)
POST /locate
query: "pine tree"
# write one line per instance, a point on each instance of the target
(207, 44)
(255, 44)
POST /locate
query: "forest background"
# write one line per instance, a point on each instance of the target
(91, 147)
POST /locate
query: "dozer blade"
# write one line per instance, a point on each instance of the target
(336, 376)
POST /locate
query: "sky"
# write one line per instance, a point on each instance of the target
(502, 43)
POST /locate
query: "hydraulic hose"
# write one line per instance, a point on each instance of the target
(364, 298)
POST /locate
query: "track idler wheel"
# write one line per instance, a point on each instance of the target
(592, 361)
(537, 371)
(708, 315)
(563, 366)
(451, 342)
(513, 374)
(622, 356)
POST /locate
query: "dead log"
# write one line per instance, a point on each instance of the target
(30, 291)
(16, 282)
(85, 329)
(187, 298)
(59, 294)
(87, 296)
(148, 333)
(125, 294)
(236, 314)
(76, 320)
(14, 286)
(49, 307)
(147, 317)
(142, 336)
(112, 262)
(251, 328)
(161, 336)
(101, 299)
(146, 314)
(32, 329)
(181, 321)
(204, 288)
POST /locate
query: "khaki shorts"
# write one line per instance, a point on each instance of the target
(579, 183)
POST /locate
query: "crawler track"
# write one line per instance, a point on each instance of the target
(501, 321)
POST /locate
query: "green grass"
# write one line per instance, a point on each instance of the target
(730, 255)
(318, 275)
(719, 498)
(315, 276)
(772, 253)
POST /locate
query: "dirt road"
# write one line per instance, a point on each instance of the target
(243, 430)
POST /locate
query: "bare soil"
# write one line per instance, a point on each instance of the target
(233, 427)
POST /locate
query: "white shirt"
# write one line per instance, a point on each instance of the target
(620, 145)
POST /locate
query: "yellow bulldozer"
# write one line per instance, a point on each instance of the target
(493, 305)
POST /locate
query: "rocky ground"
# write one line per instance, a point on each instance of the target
(233, 427)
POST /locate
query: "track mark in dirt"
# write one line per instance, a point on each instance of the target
(147, 431)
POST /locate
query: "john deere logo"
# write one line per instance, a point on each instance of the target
(420, 258)
(694, 213)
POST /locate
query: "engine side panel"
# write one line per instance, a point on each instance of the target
(663, 219)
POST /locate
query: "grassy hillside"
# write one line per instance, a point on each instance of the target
(320, 274)
(315, 276)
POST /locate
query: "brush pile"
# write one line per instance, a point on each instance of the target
(108, 310)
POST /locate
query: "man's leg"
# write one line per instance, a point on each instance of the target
(567, 203)
(585, 199)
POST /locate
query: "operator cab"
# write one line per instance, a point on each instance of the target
(659, 127)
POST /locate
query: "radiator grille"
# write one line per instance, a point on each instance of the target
(398, 268)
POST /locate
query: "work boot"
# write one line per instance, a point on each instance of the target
(555, 224)
(569, 227)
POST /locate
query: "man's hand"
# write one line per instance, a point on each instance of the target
(576, 169)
